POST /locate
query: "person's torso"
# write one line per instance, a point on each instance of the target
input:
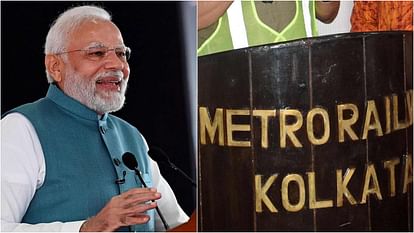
(83, 159)
(264, 22)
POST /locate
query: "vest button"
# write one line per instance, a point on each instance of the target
(102, 129)
(117, 162)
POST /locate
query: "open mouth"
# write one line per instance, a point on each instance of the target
(114, 82)
(109, 84)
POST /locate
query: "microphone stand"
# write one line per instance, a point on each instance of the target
(183, 173)
(166, 160)
(138, 173)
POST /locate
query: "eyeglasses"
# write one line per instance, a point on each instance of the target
(99, 53)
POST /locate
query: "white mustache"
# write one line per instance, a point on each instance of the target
(117, 74)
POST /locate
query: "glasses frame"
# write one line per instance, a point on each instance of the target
(107, 50)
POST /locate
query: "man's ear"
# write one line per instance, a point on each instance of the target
(54, 67)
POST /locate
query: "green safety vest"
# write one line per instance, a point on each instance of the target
(256, 30)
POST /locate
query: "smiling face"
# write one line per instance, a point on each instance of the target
(94, 78)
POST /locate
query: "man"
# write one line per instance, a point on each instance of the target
(227, 25)
(62, 167)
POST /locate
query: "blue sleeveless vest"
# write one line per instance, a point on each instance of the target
(83, 156)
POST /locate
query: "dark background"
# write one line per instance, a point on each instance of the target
(157, 100)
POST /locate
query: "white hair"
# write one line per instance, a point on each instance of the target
(66, 23)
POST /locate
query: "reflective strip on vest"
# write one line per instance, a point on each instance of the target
(237, 25)
(307, 18)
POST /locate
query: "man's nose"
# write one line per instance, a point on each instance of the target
(113, 62)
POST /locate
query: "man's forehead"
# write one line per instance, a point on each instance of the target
(97, 33)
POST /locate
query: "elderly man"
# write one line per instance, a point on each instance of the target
(62, 159)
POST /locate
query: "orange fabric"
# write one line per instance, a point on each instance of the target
(382, 16)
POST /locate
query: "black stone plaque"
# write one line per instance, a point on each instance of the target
(308, 135)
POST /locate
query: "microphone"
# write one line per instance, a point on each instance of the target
(160, 156)
(131, 162)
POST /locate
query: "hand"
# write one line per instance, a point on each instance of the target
(125, 209)
(326, 11)
(210, 11)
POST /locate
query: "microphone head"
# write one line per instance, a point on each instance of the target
(129, 160)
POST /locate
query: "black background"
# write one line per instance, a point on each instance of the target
(156, 101)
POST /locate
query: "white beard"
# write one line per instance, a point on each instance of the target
(84, 90)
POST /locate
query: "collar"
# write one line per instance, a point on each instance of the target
(72, 105)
